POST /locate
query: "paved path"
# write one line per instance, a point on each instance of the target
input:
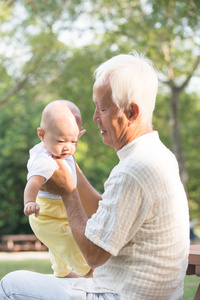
(24, 255)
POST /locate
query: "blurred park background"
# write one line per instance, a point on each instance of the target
(49, 50)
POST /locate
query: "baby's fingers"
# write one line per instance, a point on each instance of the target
(37, 210)
(31, 208)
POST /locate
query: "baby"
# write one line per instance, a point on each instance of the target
(59, 132)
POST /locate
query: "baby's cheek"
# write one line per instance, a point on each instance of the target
(73, 149)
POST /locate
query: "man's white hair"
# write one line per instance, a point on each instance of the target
(132, 78)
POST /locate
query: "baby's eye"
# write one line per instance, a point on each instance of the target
(59, 141)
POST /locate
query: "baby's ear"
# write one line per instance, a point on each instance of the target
(40, 133)
(81, 133)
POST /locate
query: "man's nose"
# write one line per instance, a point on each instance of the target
(96, 117)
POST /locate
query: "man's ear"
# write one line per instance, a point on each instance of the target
(132, 111)
(40, 133)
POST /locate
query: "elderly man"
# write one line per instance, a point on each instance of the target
(135, 235)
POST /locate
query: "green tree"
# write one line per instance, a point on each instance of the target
(40, 62)
(43, 70)
(168, 31)
(18, 132)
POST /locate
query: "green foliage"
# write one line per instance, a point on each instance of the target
(161, 118)
(18, 121)
(166, 30)
(190, 114)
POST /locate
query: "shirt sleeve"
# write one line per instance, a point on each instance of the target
(121, 212)
(42, 165)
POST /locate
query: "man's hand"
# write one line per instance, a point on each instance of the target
(61, 182)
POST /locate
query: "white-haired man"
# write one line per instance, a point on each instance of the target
(136, 234)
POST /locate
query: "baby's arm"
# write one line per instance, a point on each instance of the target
(30, 193)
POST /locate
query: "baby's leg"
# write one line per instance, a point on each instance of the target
(60, 267)
(67, 253)
(52, 228)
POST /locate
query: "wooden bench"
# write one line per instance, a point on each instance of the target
(21, 242)
(194, 265)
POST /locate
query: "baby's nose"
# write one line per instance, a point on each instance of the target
(66, 147)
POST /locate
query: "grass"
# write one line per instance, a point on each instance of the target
(43, 266)
(190, 287)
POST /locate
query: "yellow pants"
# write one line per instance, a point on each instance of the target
(52, 229)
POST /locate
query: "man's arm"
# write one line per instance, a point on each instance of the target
(94, 255)
(89, 196)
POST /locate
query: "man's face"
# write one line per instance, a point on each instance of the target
(113, 125)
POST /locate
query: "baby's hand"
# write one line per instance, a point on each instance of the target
(31, 208)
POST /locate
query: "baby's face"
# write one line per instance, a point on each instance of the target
(61, 141)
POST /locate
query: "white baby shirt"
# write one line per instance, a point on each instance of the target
(41, 163)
